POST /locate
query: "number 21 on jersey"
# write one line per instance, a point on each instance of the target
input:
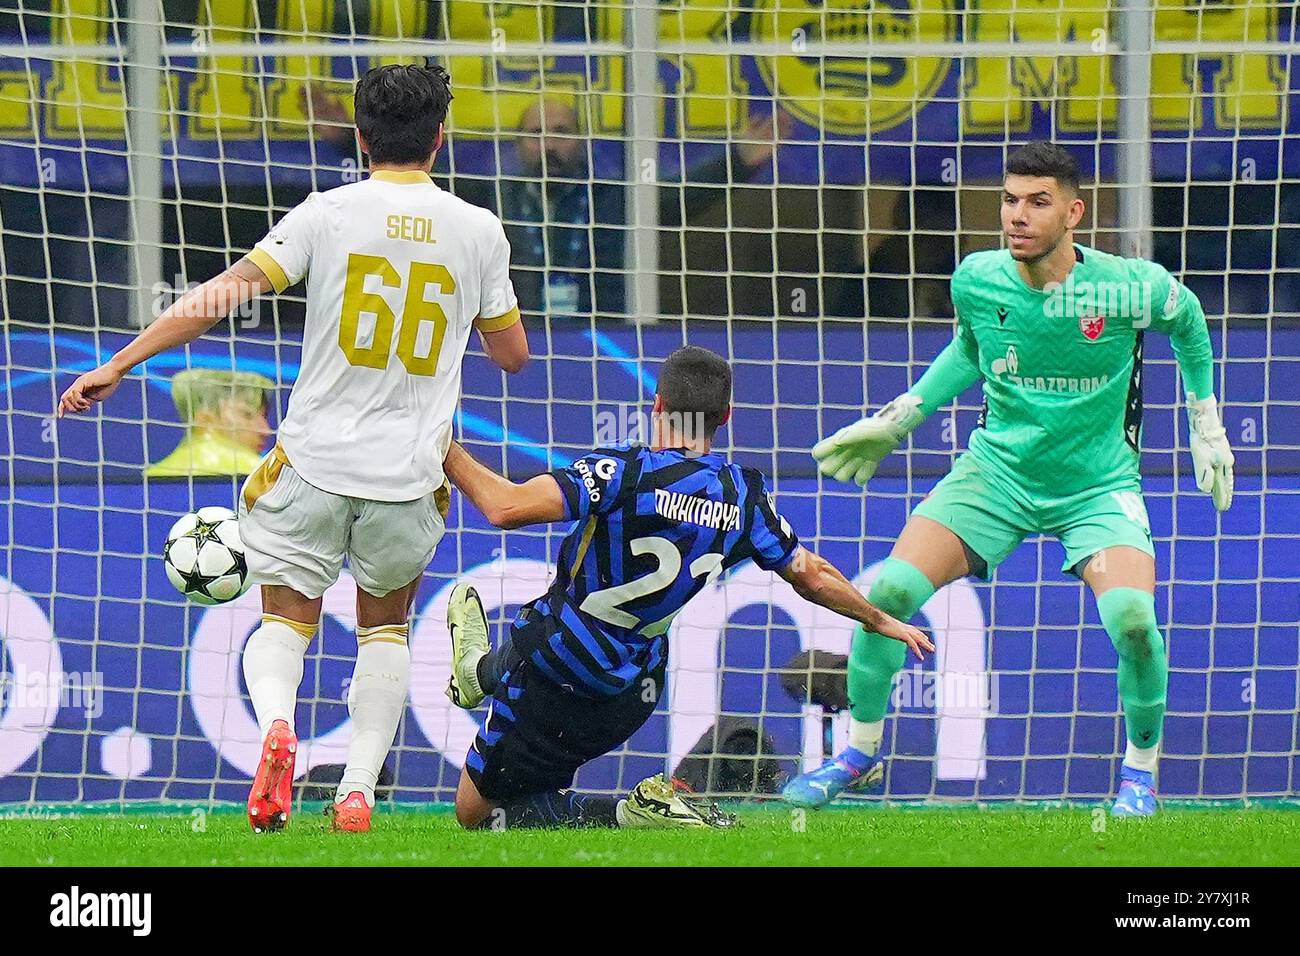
(420, 358)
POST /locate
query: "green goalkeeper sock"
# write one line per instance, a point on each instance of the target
(1129, 616)
(899, 590)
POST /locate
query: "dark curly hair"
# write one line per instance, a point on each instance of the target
(399, 109)
(1041, 158)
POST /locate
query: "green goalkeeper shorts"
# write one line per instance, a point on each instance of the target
(992, 516)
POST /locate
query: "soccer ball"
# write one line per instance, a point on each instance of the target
(204, 557)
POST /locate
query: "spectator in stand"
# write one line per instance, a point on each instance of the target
(563, 225)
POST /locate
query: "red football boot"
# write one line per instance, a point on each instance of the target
(352, 815)
(271, 798)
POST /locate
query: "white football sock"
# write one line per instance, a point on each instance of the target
(1142, 758)
(273, 668)
(376, 700)
(865, 736)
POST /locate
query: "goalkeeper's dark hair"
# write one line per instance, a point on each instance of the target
(695, 381)
(1041, 158)
(399, 109)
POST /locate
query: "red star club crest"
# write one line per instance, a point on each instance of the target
(1092, 326)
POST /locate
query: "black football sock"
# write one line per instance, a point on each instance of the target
(554, 809)
(489, 669)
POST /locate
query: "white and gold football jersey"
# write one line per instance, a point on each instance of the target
(399, 272)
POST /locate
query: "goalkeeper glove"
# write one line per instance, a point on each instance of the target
(1211, 457)
(854, 451)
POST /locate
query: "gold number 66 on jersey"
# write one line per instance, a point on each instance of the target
(416, 310)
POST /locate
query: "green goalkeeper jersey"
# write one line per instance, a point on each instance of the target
(1062, 366)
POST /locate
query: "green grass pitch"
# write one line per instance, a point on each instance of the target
(768, 835)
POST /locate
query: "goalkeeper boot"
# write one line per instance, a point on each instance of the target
(654, 804)
(851, 770)
(352, 815)
(270, 799)
(468, 627)
(1137, 794)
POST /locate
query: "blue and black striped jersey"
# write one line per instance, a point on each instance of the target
(652, 528)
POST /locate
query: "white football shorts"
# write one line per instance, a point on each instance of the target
(297, 535)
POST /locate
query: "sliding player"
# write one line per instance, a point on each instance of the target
(584, 665)
(1055, 331)
(398, 274)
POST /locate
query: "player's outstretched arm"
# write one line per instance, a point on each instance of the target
(503, 502)
(184, 321)
(854, 452)
(817, 580)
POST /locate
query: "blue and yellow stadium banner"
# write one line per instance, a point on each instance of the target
(227, 116)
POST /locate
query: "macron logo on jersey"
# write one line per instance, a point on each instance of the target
(676, 506)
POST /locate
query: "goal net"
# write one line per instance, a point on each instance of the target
(788, 182)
